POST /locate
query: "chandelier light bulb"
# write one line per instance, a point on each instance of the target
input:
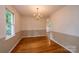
(37, 15)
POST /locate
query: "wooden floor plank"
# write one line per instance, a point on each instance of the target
(38, 45)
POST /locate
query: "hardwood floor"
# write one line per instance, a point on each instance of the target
(38, 45)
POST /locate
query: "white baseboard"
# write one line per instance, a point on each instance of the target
(61, 45)
(14, 45)
(20, 39)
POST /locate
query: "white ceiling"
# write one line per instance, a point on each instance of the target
(44, 10)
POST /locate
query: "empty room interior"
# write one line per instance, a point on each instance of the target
(39, 28)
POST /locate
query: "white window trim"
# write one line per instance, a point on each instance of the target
(13, 26)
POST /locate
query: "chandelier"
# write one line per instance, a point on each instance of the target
(37, 15)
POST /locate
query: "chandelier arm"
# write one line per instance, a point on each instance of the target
(37, 15)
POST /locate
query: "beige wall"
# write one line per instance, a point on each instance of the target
(31, 27)
(29, 23)
(66, 20)
(7, 45)
(2, 22)
(66, 26)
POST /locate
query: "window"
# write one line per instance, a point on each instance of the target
(9, 24)
(49, 25)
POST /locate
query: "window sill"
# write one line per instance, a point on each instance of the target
(8, 37)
